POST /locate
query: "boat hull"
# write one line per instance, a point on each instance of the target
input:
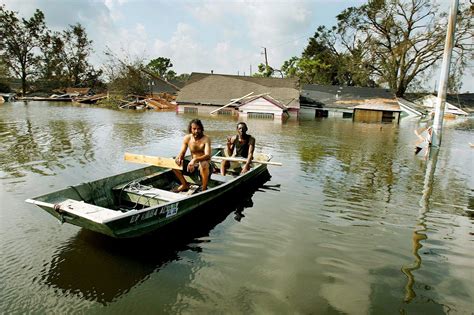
(93, 205)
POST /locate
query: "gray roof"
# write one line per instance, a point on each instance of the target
(219, 89)
(341, 96)
(464, 101)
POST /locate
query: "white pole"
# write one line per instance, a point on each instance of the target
(443, 84)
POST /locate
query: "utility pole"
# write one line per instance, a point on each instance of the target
(250, 69)
(443, 84)
(266, 59)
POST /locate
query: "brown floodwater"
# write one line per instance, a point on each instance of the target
(353, 222)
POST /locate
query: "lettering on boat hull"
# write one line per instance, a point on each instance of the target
(170, 210)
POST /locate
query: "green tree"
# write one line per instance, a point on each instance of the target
(18, 41)
(52, 70)
(77, 50)
(160, 67)
(125, 76)
(65, 58)
(399, 40)
(264, 71)
(4, 87)
(183, 77)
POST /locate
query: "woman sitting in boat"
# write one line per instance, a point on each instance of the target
(243, 144)
(200, 147)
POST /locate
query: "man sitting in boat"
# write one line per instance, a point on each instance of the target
(200, 147)
(243, 144)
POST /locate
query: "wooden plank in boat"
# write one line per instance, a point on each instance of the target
(152, 160)
(87, 211)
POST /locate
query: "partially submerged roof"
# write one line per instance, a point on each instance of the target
(464, 101)
(380, 106)
(219, 89)
(343, 96)
(266, 97)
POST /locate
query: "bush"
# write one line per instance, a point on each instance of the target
(4, 88)
(113, 101)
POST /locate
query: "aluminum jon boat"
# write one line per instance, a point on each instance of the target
(137, 202)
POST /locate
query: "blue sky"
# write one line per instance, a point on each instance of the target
(197, 35)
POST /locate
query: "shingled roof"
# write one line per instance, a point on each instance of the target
(343, 96)
(219, 89)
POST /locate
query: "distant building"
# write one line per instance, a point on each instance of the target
(341, 101)
(377, 112)
(271, 97)
(427, 103)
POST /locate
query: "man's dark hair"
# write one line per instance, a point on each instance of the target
(243, 124)
(197, 122)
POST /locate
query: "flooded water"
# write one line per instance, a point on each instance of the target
(353, 222)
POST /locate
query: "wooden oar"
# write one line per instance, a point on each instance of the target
(152, 160)
(170, 163)
(242, 160)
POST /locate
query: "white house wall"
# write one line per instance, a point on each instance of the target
(261, 105)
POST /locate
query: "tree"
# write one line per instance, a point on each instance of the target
(52, 69)
(160, 67)
(399, 40)
(65, 58)
(125, 76)
(18, 41)
(4, 87)
(183, 77)
(264, 71)
(322, 63)
(77, 49)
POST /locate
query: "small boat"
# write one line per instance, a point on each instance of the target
(141, 201)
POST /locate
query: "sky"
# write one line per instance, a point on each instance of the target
(227, 37)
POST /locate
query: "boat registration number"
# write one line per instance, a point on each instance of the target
(168, 210)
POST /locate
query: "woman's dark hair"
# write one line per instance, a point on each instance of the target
(197, 122)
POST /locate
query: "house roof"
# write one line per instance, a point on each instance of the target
(219, 89)
(464, 101)
(379, 107)
(342, 96)
(160, 85)
(266, 97)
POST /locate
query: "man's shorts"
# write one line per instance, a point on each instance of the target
(196, 171)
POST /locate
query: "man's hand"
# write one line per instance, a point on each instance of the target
(191, 166)
(245, 169)
(179, 160)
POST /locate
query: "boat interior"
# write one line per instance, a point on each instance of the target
(133, 190)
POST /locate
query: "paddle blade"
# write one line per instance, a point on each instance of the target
(152, 160)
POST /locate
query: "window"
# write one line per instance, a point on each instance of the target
(191, 110)
(321, 113)
(346, 115)
(260, 115)
(225, 112)
(387, 117)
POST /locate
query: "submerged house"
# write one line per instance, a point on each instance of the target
(377, 112)
(363, 104)
(252, 97)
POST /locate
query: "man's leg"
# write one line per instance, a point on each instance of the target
(184, 184)
(204, 171)
(224, 167)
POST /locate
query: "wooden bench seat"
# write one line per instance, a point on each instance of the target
(87, 210)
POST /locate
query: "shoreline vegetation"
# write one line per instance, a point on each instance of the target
(159, 101)
(34, 58)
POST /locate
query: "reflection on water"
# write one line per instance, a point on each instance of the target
(99, 268)
(420, 233)
(353, 222)
(41, 148)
